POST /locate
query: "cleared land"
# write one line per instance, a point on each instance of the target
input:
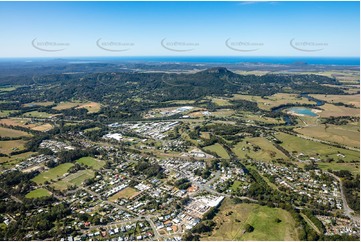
(262, 218)
(337, 111)
(92, 107)
(52, 173)
(261, 119)
(41, 192)
(341, 134)
(91, 162)
(36, 114)
(12, 133)
(269, 102)
(221, 102)
(217, 148)
(5, 113)
(346, 99)
(266, 151)
(66, 105)
(354, 168)
(315, 149)
(26, 123)
(42, 104)
(127, 193)
(75, 179)
(6, 147)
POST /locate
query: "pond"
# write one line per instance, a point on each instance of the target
(302, 111)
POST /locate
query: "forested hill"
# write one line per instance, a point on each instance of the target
(118, 87)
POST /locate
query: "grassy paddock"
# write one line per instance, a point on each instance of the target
(262, 218)
(217, 148)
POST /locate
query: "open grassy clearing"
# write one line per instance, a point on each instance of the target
(5, 113)
(91, 162)
(9, 162)
(223, 112)
(346, 99)
(66, 105)
(249, 117)
(52, 173)
(43, 127)
(315, 149)
(91, 129)
(262, 218)
(354, 168)
(269, 102)
(334, 133)
(127, 193)
(217, 148)
(12, 133)
(220, 101)
(36, 114)
(26, 123)
(205, 135)
(75, 179)
(40, 192)
(6, 147)
(8, 88)
(42, 104)
(92, 107)
(337, 111)
(266, 152)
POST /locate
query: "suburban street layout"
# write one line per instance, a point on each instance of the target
(180, 121)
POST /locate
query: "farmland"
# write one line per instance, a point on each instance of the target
(346, 99)
(218, 149)
(338, 134)
(6, 132)
(6, 147)
(257, 148)
(337, 111)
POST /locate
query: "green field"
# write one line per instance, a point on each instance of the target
(5, 113)
(91, 162)
(36, 114)
(52, 173)
(217, 148)
(354, 168)
(41, 192)
(262, 218)
(315, 149)
(266, 152)
(75, 179)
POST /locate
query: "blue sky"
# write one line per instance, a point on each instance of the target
(31, 29)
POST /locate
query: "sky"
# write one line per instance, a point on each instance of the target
(71, 29)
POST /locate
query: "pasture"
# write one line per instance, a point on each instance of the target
(218, 149)
(12, 133)
(258, 148)
(75, 179)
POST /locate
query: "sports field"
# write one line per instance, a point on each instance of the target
(41, 192)
(91, 162)
(75, 179)
(125, 193)
(52, 173)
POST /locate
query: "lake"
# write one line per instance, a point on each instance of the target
(303, 111)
